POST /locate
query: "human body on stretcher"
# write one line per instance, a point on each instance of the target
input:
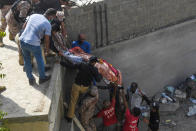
(77, 55)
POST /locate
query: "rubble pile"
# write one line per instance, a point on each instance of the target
(172, 97)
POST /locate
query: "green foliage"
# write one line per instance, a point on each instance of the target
(3, 123)
(2, 34)
(1, 75)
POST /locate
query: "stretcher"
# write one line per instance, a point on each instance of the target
(109, 73)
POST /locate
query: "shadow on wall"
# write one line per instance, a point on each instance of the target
(69, 75)
(112, 21)
(155, 60)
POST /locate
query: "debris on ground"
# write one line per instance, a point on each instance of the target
(169, 123)
(192, 110)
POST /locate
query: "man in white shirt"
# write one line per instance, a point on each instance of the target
(36, 27)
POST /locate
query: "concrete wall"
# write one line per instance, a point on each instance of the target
(29, 126)
(56, 108)
(116, 20)
(50, 118)
(161, 58)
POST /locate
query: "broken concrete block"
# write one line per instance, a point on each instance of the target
(180, 94)
(169, 107)
(192, 110)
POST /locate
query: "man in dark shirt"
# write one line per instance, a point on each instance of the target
(153, 122)
(87, 73)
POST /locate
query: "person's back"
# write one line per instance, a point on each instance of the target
(108, 113)
(131, 120)
(154, 117)
(131, 117)
(86, 74)
(154, 120)
(37, 26)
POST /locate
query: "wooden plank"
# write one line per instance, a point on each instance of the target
(76, 121)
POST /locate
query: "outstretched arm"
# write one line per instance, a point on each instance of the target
(124, 100)
(47, 43)
(127, 95)
(144, 97)
(115, 88)
(96, 75)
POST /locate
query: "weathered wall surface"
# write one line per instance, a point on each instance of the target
(161, 58)
(116, 20)
(29, 126)
(52, 113)
(56, 107)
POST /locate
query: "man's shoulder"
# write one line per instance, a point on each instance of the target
(41, 20)
(86, 43)
(37, 16)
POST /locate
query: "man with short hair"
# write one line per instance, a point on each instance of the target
(87, 73)
(135, 96)
(37, 27)
(84, 45)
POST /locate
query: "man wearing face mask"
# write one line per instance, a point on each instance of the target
(84, 45)
(36, 27)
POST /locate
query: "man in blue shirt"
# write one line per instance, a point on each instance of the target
(36, 27)
(84, 45)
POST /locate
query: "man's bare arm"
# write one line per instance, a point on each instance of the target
(46, 42)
